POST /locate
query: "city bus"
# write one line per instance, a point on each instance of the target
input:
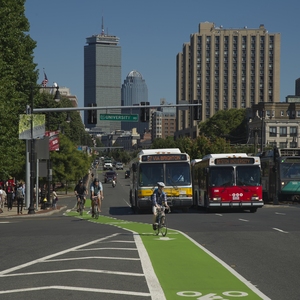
(227, 180)
(281, 174)
(167, 165)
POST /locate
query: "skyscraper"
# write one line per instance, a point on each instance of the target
(134, 91)
(102, 78)
(226, 68)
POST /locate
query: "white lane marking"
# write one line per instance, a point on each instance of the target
(280, 230)
(107, 248)
(4, 222)
(88, 257)
(54, 255)
(220, 215)
(73, 270)
(277, 213)
(232, 271)
(74, 288)
(154, 286)
(244, 220)
(165, 238)
(128, 204)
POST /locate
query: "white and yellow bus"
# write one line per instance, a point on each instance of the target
(167, 165)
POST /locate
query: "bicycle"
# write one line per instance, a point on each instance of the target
(81, 204)
(161, 221)
(96, 210)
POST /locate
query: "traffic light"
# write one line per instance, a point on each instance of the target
(92, 114)
(145, 112)
(197, 110)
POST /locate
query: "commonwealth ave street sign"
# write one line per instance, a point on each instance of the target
(116, 117)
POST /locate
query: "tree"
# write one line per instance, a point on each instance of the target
(229, 124)
(17, 74)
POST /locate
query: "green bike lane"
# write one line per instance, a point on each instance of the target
(183, 267)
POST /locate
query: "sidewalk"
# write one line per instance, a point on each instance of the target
(49, 211)
(13, 211)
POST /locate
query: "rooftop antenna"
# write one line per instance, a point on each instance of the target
(102, 31)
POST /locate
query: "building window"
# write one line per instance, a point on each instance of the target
(282, 131)
(281, 113)
(298, 113)
(273, 131)
(293, 131)
(293, 144)
(282, 144)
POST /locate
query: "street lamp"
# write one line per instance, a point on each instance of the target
(32, 148)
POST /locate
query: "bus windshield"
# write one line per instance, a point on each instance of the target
(248, 175)
(174, 174)
(178, 174)
(290, 170)
(221, 176)
(150, 174)
(224, 176)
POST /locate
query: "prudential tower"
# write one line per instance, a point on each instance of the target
(102, 78)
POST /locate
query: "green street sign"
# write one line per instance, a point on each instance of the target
(116, 117)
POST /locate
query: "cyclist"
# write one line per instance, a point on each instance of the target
(96, 190)
(80, 190)
(159, 199)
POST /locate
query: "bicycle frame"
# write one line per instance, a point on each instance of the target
(96, 211)
(161, 222)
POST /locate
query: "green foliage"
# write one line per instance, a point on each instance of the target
(229, 124)
(17, 74)
(69, 164)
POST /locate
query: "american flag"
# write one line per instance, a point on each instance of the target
(45, 81)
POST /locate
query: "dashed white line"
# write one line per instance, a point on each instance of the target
(74, 270)
(74, 288)
(244, 220)
(88, 257)
(54, 255)
(280, 230)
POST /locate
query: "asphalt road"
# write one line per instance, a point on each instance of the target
(262, 247)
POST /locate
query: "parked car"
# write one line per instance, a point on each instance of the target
(107, 166)
(119, 166)
(110, 176)
(127, 174)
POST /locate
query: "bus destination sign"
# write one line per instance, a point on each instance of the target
(235, 161)
(164, 157)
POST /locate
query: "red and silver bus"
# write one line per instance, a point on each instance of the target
(227, 180)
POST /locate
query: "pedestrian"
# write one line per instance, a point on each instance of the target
(54, 198)
(9, 192)
(20, 197)
(1, 199)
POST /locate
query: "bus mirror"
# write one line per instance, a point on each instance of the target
(134, 167)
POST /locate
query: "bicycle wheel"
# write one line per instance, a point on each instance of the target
(81, 207)
(96, 212)
(163, 226)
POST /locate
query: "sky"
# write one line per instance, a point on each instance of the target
(151, 33)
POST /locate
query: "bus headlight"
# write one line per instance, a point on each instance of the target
(216, 199)
(254, 198)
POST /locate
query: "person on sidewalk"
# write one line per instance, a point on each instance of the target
(54, 199)
(20, 197)
(9, 192)
(1, 199)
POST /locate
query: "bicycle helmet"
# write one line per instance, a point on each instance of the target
(96, 180)
(161, 184)
(80, 181)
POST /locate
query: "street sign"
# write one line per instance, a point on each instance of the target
(116, 117)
